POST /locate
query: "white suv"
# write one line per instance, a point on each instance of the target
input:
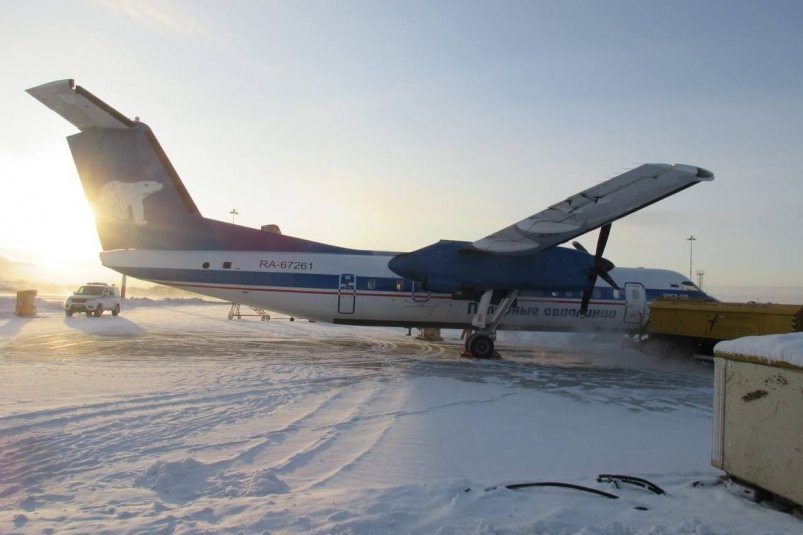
(94, 298)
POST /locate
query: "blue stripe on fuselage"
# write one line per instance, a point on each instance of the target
(319, 281)
(236, 278)
(309, 281)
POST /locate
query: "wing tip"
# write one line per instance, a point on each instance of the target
(697, 172)
(67, 83)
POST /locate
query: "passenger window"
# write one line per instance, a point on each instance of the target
(371, 284)
(226, 265)
(597, 293)
(400, 284)
(617, 294)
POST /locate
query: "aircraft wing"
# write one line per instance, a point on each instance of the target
(592, 208)
(79, 106)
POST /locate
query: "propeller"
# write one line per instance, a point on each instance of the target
(600, 269)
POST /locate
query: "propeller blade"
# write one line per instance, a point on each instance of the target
(579, 246)
(602, 241)
(584, 303)
(607, 278)
(601, 268)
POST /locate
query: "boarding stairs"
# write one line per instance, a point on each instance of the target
(234, 312)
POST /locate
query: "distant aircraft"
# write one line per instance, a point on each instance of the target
(516, 278)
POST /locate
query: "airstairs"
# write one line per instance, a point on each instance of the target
(235, 312)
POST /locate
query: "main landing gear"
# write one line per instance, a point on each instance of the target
(480, 344)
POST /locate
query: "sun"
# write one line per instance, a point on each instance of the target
(65, 250)
(49, 222)
(71, 251)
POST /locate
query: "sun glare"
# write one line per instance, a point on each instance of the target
(71, 256)
(50, 224)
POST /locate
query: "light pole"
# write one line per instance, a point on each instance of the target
(691, 239)
(233, 213)
(700, 275)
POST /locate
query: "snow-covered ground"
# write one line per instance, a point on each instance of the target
(173, 419)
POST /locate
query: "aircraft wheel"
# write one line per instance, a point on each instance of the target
(99, 311)
(481, 346)
(116, 310)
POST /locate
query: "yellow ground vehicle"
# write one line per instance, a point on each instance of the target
(696, 326)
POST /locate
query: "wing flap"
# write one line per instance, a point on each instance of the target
(79, 106)
(592, 208)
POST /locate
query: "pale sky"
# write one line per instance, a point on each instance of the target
(390, 125)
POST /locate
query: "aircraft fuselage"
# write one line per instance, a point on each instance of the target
(360, 289)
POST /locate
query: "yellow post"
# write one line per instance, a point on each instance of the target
(25, 304)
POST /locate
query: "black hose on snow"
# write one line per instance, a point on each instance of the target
(637, 481)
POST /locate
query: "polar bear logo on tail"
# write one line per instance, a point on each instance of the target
(122, 201)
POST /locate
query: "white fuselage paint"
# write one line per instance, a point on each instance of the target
(390, 300)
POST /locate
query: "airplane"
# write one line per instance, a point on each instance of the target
(517, 278)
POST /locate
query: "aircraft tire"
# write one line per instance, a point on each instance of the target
(480, 346)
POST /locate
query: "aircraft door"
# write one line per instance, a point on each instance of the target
(420, 295)
(635, 303)
(347, 293)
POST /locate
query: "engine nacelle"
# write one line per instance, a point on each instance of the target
(452, 266)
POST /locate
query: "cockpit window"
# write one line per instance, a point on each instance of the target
(690, 286)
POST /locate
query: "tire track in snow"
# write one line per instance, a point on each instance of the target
(71, 440)
(332, 438)
(62, 450)
(68, 441)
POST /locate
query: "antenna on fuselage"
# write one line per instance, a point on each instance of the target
(272, 228)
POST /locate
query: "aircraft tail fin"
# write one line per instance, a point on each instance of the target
(138, 198)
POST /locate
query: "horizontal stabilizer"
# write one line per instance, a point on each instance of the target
(79, 106)
(592, 208)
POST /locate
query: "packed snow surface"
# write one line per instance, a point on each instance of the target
(172, 419)
(772, 347)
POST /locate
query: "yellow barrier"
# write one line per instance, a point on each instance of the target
(25, 304)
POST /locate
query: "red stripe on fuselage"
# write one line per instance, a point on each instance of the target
(366, 294)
